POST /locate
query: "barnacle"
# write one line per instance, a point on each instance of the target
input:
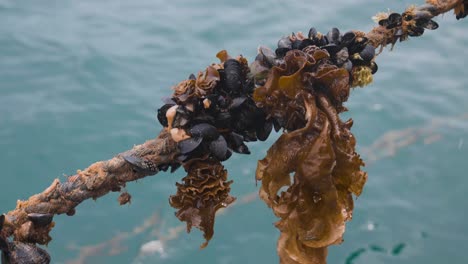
(202, 192)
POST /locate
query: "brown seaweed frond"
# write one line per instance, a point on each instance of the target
(201, 194)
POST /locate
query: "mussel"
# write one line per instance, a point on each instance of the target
(23, 253)
(40, 220)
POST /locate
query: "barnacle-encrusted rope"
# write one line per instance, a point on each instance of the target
(300, 88)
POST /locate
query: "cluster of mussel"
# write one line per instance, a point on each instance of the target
(411, 23)
(213, 114)
(350, 51)
(16, 252)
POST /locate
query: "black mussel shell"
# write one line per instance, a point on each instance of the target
(416, 31)
(175, 166)
(205, 131)
(192, 77)
(263, 132)
(384, 22)
(281, 52)
(3, 246)
(238, 101)
(276, 125)
(334, 36)
(233, 72)
(235, 140)
(242, 149)
(141, 165)
(228, 155)
(312, 33)
(163, 167)
(368, 53)
(188, 145)
(222, 102)
(427, 23)
(248, 86)
(25, 253)
(219, 148)
(331, 48)
(41, 219)
(357, 46)
(394, 18)
(373, 67)
(202, 117)
(306, 43)
(2, 221)
(284, 42)
(162, 114)
(296, 44)
(223, 120)
(348, 38)
(250, 136)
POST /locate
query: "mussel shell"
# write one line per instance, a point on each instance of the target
(416, 31)
(188, 145)
(40, 219)
(141, 165)
(238, 101)
(268, 56)
(223, 120)
(284, 42)
(235, 140)
(348, 38)
(242, 149)
(305, 43)
(162, 114)
(2, 221)
(368, 53)
(163, 167)
(219, 148)
(332, 48)
(22, 253)
(175, 166)
(427, 23)
(263, 132)
(374, 67)
(281, 52)
(205, 131)
(312, 33)
(296, 44)
(233, 72)
(249, 136)
(394, 18)
(334, 36)
(228, 155)
(384, 22)
(192, 77)
(276, 125)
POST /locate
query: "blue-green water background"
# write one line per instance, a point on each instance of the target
(80, 82)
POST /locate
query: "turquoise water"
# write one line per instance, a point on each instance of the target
(80, 81)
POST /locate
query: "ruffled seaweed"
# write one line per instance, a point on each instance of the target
(202, 192)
